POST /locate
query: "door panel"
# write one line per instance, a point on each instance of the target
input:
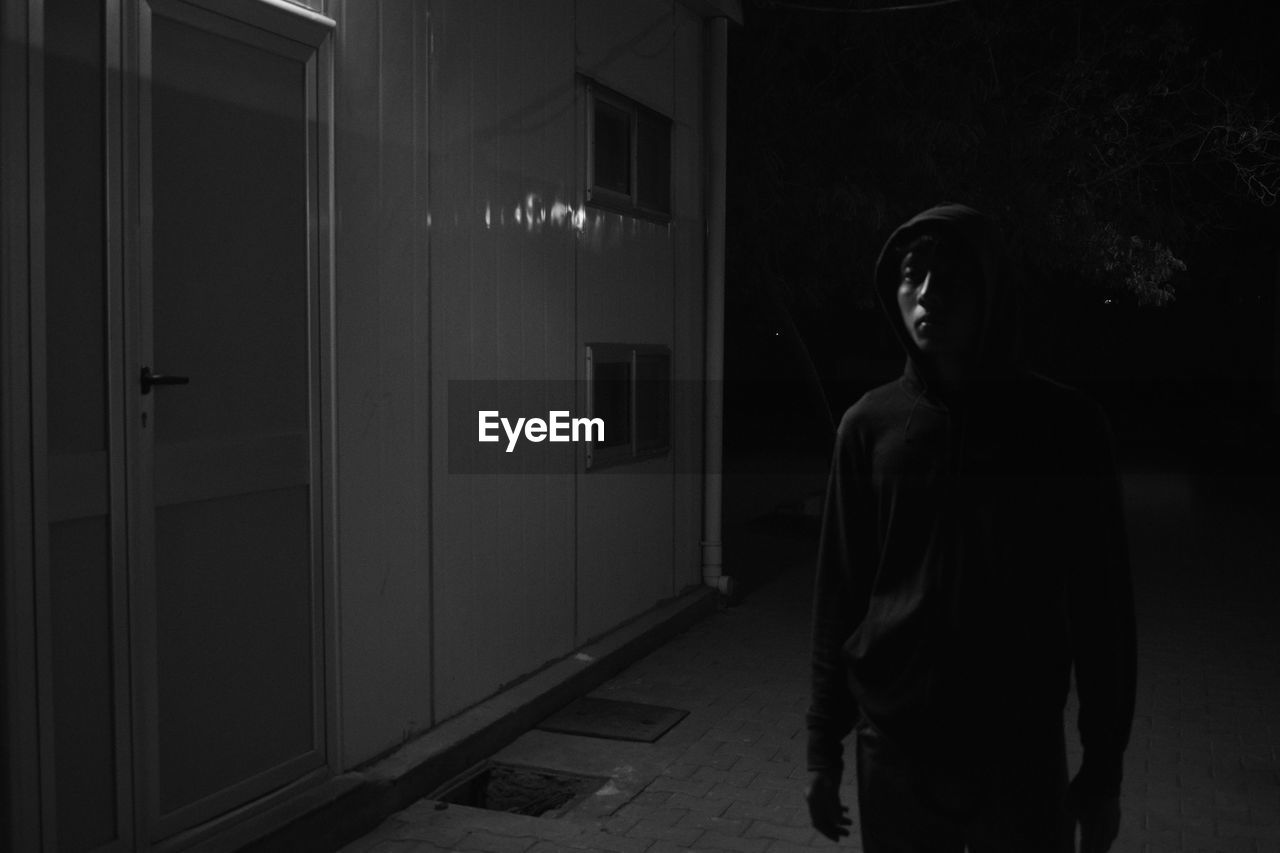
(230, 278)
(178, 596)
(234, 668)
(229, 170)
(88, 678)
(84, 710)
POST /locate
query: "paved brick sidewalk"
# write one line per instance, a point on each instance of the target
(1201, 774)
(1202, 770)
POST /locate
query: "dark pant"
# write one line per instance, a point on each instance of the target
(1009, 799)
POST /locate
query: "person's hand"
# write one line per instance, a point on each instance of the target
(1099, 825)
(1099, 820)
(825, 812)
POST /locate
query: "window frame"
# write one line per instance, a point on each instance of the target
(606, 197)
(633, 450)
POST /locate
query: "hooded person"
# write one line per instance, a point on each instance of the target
(972, 555)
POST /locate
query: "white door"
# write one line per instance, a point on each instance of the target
(226, 421)
(178, 193)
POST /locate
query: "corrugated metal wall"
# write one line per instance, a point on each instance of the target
(462, 249)
(641, 282)
(383, 364)
(503, 138)
(456, 120)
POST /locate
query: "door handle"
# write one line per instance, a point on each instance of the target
(149, 379)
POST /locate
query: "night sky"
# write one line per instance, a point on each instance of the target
(1080, 126)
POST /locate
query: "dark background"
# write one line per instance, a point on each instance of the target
(1128, 151)
(1069, 122)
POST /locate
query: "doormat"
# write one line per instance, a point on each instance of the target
(533, 791)
(613, 719)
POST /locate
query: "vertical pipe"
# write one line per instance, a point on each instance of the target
(716, 120)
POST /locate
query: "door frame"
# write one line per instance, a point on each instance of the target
(312, 34)
(19, 69)
(28, 818)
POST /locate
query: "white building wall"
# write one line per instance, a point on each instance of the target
(456, 121)
(504, 153)
(383, 362)
(641, 282)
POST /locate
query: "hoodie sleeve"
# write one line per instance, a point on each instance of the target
(838, 605)
(1101, 613)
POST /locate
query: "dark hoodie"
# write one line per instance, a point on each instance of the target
(972, 551)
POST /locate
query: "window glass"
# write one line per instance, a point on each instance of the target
(653, 162)
(630, 390)
(653, 400)
(629, 160)
(612, 393)
(612, 148)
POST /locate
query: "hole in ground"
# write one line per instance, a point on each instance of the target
(534, 791)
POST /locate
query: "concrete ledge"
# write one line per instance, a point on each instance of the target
(353, 804)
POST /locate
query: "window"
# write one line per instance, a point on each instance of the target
(628, 155)
(652, 371)
(611, 144)
(629, 388)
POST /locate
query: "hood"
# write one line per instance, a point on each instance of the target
(999, 337)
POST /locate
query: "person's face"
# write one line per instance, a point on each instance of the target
(939, 297)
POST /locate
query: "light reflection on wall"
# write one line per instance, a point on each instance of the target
(601, 228)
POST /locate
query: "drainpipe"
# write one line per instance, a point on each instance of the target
(715, 128)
